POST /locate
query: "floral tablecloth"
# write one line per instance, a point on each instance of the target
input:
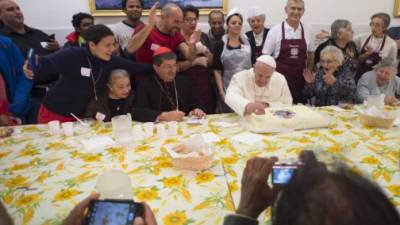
(44, 176)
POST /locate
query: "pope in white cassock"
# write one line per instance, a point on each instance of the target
(253, 90)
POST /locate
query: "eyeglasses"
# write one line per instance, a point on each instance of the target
(327, 61)
(372, 24)
(190, 20)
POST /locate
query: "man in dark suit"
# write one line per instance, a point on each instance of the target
(258, 32)
(169, 97)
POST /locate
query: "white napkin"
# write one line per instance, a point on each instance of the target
(247, 138)
(97, 142)
(225, 124)
(210, 137)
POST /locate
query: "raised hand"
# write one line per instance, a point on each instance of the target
(195, 37)
(153, 14)
(309, 76)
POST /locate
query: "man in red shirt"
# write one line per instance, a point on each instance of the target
(165, 34)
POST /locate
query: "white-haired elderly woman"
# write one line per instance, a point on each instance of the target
(381, 80)
(375, 45)
(333, 82)
(258, 32)
(341, 37)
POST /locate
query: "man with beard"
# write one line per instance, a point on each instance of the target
(166, 33)
(124, 30)
(216, 22)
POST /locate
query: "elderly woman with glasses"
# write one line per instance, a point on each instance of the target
(342, 38)
(333, 82)
(375, 45)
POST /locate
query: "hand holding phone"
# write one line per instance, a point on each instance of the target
(113, 212)
(32, 60)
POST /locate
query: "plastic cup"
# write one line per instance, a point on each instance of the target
(114, 184)
(54, 127)
(68, 128)
(137, 132)
(148, 129)
(172, 128)
(161, 132)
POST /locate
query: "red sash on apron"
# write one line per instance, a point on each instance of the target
(291, 62)
(370, 61)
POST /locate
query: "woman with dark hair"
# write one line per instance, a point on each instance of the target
(84, 72)
(197, 70)
(231, 55)
(375, 45)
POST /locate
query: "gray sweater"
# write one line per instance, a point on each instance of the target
(367, 86)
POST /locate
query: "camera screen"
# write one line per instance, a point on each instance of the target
(282, 174)
(112, 213)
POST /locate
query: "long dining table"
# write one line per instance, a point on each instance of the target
(44, 176)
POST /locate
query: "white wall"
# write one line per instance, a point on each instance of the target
(53, 16)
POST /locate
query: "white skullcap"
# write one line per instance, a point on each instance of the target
(267, 59)
(233, 11)
(253, 12)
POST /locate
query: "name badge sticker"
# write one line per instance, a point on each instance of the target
(85, 72)
(154, 47)
(100, 116)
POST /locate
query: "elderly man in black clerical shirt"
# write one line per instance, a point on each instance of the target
(169, 97)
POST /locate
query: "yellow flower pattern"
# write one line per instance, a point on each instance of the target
(173, 181)
(370, 160)
(66, 194)
(175, 218)
(147, 195)
(204, 177)
(18, 181)
(27, 200)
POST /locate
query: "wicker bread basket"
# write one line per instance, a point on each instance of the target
(373, 121)
(190, 162)
(193, 163)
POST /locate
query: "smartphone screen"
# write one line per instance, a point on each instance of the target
(282, 174)
(31, 59)
(112, 212)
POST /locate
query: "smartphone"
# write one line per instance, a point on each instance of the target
(283, 173)
(32, 59)
(113, 212)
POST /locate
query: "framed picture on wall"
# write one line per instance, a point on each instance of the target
(397, 8)
(113, 7)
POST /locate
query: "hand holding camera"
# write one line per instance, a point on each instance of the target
(256, 194)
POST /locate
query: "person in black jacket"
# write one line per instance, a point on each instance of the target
(84, 72)
(170, 97)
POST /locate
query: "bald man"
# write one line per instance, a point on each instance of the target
(251, 91)
(165, 34)
(25, 38)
